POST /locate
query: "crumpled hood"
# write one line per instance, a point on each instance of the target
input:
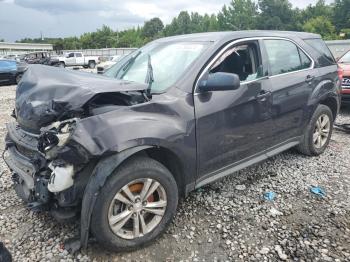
(45, 93)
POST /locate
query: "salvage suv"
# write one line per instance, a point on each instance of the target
(181, 112)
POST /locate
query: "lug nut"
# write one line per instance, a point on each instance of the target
(144, 203)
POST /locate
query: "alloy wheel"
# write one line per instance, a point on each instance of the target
(322, 131)
(137, 208)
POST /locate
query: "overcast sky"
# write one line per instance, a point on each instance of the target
(59, 18)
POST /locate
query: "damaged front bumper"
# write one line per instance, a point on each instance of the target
(43, 179)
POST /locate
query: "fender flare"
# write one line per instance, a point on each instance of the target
(98, 178)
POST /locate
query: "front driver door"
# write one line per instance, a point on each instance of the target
(70, 60)
(234, 125)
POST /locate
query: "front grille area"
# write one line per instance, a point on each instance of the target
(26, 143)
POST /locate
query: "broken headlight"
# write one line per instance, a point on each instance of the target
(56, 136)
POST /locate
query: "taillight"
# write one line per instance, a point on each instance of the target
(340, 74)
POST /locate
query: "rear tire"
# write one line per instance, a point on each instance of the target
(318, 132)
(122, 236)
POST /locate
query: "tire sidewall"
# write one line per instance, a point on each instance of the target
(91, 64)
(121, 177)
(320, 110)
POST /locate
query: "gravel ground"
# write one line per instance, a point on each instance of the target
(227, 220)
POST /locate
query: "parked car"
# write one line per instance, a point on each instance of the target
(173, 116)
(344, 63)
(78, 59)
(40, 57)
(11, 71)
(102, 67)
(13, 57)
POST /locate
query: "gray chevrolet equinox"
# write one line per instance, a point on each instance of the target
(119, 150)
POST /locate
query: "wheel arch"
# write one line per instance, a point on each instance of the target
(332, 103)
(107, 165)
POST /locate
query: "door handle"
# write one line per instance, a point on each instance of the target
(309, 79)
(262, 96)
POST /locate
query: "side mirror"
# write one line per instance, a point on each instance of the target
(220, 82)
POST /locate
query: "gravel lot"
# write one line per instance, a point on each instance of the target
(227, 220)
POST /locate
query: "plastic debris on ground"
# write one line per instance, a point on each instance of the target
(318, 191)
(270, 196)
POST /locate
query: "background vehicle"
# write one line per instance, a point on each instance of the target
(344, 64)
(13, 57)
(170, 117)
(11, 71)
(102, 67)
(40, 57)
(78, 59)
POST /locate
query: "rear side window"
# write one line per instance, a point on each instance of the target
(322, 48)
(78, 55)
(284, 57)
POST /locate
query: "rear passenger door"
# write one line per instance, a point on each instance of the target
(292, 78)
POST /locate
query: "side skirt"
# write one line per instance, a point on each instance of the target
(211, 177)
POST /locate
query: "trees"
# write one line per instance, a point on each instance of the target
(238, 15)
(326, 19)
(276, 15)
(341, 14)
(152, 28)
(321, 25)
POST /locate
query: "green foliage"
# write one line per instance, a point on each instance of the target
(321, 25)
(152, 28)
(276, 15)
(332, 21)
(239, 15)
(341, 14)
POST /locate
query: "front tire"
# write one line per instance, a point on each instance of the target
(135, 206)
(318, 132)
(62, 65)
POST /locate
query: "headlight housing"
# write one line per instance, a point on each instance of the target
(55, 136)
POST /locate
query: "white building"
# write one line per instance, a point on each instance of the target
(22, 48)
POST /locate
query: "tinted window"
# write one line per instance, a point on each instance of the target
(71, 55)
(322, 48)
(305, 61)
(284, 57)
(78, 55)
(242, 60)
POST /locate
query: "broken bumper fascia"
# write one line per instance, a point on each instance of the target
(38, 177)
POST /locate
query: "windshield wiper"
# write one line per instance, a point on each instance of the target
(129, 63)
(149, 77)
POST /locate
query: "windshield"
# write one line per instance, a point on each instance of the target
(345, 58)
(169, 62)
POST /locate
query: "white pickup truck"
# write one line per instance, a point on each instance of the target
(78, 59)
